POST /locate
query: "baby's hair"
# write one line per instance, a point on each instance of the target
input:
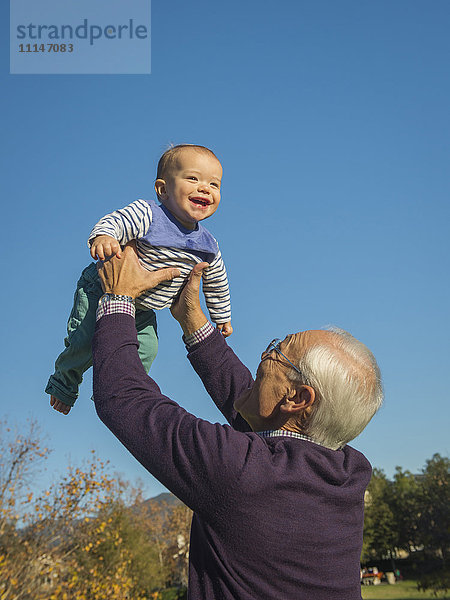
(168, 158)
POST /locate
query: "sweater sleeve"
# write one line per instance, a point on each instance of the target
(125, 224)
(197, 460)
(216, 290)
(223, 375)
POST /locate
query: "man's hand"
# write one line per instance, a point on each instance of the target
(187, 310)
(225, 328)
(105, 246)
(126, 276)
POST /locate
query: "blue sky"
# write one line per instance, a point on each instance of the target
(331, 120)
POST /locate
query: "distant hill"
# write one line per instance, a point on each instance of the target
(164, 498)
(162, 504)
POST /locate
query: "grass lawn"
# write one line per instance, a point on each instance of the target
(403, 590)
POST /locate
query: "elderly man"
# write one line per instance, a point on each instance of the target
(278, 496)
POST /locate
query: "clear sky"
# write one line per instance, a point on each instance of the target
(332, 123)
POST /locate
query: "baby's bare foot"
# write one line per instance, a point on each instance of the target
(59, 406)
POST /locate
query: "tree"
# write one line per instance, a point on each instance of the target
(167, 524)
(434, 501)
(412, 512)
(20, 456)
(405, 508)
(77, 540)
(434, 523)
(177, 532)
(380, 536)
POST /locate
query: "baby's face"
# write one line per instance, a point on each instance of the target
(191, 189)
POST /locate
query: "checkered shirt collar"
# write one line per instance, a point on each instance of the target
(284, 433)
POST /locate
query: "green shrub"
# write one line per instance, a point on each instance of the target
(173, 594)
(437, 582)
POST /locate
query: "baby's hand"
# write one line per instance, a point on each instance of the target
(105, 246)
(225, 328)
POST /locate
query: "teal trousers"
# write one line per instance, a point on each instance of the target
(76, 358)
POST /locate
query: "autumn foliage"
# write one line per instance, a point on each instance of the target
(87, 537)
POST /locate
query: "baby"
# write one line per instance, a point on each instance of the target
(188, 187)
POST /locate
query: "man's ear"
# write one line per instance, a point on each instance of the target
(160, 189)
(297, 399)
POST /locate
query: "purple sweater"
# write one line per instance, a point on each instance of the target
(274, 518)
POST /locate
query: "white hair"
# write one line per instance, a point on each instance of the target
(347, 381)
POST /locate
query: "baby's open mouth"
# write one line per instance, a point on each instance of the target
(200, 201)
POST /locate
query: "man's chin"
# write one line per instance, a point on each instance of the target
(239, 402)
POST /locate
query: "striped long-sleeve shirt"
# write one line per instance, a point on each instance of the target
(162, 242)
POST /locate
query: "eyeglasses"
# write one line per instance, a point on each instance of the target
(275, 345)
